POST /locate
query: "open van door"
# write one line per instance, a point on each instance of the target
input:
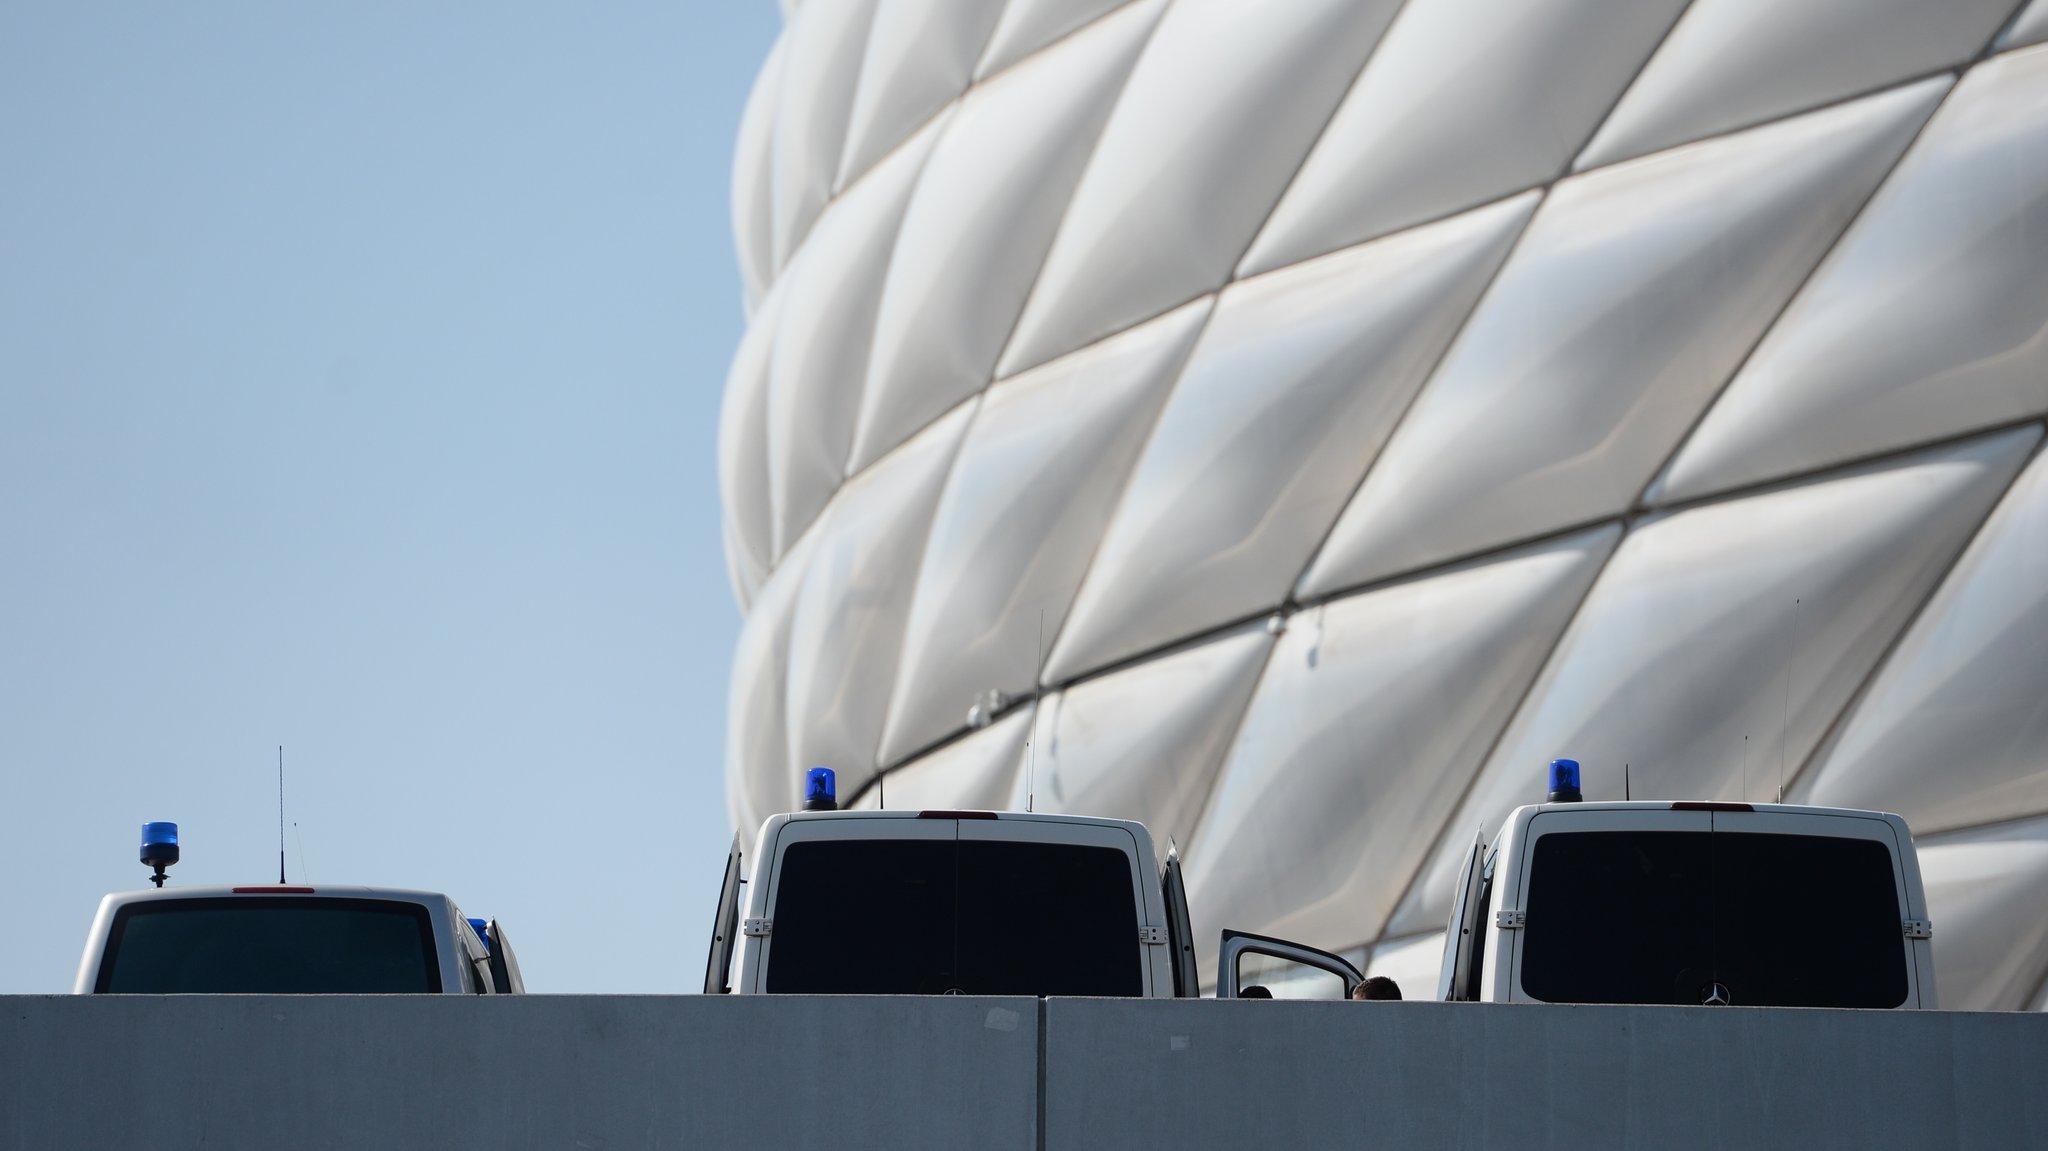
(1187, 979)
(1280, 969)
(1461, 934)
(505, 978)
(724, 924)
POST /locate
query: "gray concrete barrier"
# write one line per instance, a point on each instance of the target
(1252, 1073)
(617, 1072)
(149, 1073)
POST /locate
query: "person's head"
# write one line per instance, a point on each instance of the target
(1376, 987)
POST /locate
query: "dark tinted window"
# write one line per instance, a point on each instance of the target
(932, 916)
(1047, 919)
(870, 915)
(271, 945)
(1658, 917)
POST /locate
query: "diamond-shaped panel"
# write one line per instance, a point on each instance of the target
(1930, 318)
(1296, 383)
(1954, 732)
(1630, 300)
(1465, 101)
(1037, 476)
(979, 224)
(1733, 63)
(1219, 112)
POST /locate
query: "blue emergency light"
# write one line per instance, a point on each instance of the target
(483, 931)
(1564, 781)
(159, 848)
(821, 790)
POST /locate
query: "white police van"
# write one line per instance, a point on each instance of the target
(1766, 905)
(965, 903)
(288, 939)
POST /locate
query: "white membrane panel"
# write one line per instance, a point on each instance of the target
(848, 628)
(743, 486)
(1954, 731)
(1333, 794)
(752, 174)
(920, 54)
(1221, 108)
(1721, 642)
(1144, 743)
(824, 44)
(2030, 28)
(1295, 385)
(1986, 958)
(1628, 303)
(1732, 63)
(1930, 318)
(974, 773)
(1414, 963)
(758, 782)
(828, 314)
(1020, 517)
(1464, 101)
(979, 224)
(1028, 25)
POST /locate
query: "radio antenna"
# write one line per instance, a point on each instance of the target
(1624, 783)
(1031, 732)
(1785, 725)
(1745, 769)
(280, 815)
(882, 791)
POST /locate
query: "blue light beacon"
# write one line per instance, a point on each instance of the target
(159, 847)
(821, 790)
(1564, 781)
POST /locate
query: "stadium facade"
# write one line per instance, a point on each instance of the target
(1292, 423)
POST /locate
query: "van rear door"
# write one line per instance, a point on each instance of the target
(724, 922)
(1461, 940)
(1712, 903)
(505, 977)
(1610, 907)
(1187, 977)
(1055, 908)
(1812, 910)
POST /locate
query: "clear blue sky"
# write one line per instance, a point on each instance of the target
(359, 379)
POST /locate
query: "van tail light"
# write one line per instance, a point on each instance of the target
(273, 891)
(1705, 805)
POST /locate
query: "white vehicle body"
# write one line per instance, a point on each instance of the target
(961, 902)
(830, 863)
(288, 939)
(1692, 902)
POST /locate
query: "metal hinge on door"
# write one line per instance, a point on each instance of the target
(1150, 934)
(1510, 918)
(757, 928)
(1918, 928)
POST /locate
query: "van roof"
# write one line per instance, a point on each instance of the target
(948, 813)
(258, 891)
(1709, 805)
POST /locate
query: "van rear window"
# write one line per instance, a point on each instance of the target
(937, 916)
(1664, 917)
(274, 945)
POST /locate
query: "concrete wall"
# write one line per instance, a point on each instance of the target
(647, 1072)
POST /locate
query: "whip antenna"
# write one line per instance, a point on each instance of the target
(280, 815)
(1031, 732)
